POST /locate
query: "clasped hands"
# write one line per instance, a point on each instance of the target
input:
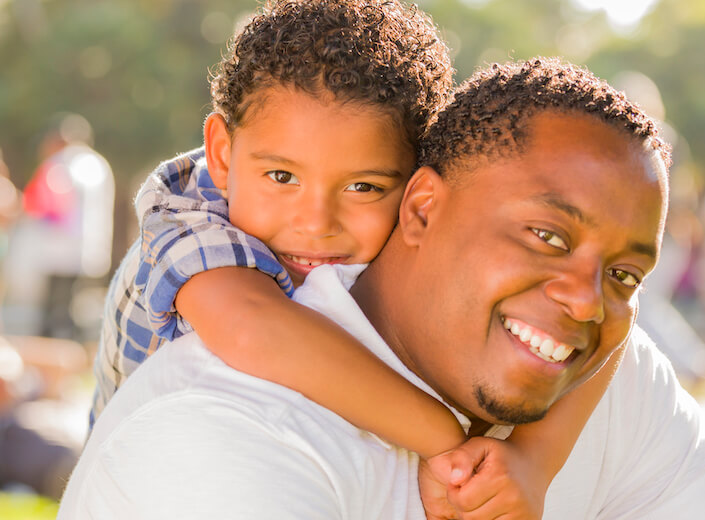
(483, 479)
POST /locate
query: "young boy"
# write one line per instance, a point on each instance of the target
(317, 113)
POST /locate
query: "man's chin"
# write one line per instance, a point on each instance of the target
(502, 412)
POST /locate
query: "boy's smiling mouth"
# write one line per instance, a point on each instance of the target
(539, 342)
(313, 261)
(299, 266)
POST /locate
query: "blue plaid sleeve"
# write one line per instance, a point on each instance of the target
(185, 231)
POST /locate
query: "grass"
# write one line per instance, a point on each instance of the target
(25, 506)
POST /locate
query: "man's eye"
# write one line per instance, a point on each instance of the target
(363, 187)
(551, 238)
(624, 277)
(283, 177)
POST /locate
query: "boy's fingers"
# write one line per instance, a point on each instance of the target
(490, 498)
(489, 511)
(472, 496)
(487, 483)
(467, 459)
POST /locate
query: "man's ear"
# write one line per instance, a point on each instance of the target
(218, 144)
(421, 196)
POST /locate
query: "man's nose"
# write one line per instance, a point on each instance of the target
(316, 217)
(579, 291)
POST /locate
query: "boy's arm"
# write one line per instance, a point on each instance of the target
(185, 229)
(244, 318)
(488, 478)
(549, 441)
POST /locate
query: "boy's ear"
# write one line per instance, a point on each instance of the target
(218, 143)
(420, 198)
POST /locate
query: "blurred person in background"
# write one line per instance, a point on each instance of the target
(10, 206)
(65, 234)
(669, 309)
(39, 438)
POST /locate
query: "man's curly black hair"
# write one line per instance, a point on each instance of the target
(381, 53)
(489, 116)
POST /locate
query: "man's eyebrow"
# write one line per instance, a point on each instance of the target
(643, 249)
(554, 200)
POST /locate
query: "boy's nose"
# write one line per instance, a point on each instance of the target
(317, 218)
(580, 293)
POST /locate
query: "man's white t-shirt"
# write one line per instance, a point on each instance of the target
(187, 437)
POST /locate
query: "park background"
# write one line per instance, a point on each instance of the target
(138, 73)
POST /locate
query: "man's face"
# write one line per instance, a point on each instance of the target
(528, 274)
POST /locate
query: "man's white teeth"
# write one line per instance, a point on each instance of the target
(561, 352)
(545, 348)
(525, 335)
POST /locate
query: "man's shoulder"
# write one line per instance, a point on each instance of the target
(183, 374)
(185, 411)
(645, 365)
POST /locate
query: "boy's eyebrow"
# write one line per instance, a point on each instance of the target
(272, 157)
(280, 159)
(383, 173)
(555, 200)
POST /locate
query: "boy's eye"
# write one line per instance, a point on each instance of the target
(283, 177)
(362, 187)
(551, 238)
(624, 277)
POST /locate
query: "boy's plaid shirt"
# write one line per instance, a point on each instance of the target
(185, 230)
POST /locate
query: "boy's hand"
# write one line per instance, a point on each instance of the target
(484, 478)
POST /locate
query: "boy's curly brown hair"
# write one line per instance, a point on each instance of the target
(489, 114)
(382, 53)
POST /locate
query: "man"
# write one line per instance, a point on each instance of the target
(536, 217)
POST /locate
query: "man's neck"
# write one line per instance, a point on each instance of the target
(379, 292)
(375, 293)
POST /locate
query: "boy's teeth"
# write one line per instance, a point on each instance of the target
(306, 261)
(545, 348)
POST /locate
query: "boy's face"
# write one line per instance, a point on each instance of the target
(534, 252)
(316, 180)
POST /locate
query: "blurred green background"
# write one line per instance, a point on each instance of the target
(138, 72)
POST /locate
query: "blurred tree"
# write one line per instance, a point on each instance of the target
(136, 70)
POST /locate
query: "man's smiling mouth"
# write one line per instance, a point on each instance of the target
(540, 343)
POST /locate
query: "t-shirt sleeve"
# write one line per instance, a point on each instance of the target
(661, 445)
(185, 230)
